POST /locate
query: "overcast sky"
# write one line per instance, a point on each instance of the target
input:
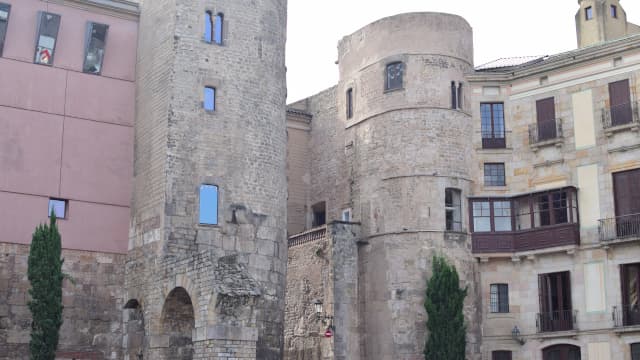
(501, 28)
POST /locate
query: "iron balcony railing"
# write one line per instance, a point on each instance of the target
(562, 320)
(620, 115)
(545, 131)
(308, 236)
(626, 315)
(620, 227)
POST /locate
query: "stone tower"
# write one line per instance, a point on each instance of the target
(602, 20)
(207, 253)
(409, 154)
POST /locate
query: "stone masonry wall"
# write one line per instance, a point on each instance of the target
(92, 327)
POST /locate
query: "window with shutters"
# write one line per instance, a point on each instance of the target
(546, 124)
(493, 129)
(5, 9)
(556, 310)
(620, 106)
(499, 301)
(630, 280)
(48, 26)
(626, 189)
(501, 355)
(94, 47)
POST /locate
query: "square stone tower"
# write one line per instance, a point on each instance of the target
(598, 21)
(207, 252)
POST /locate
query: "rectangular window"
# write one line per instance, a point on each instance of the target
(502, 215)
(59, 208)
(614, 11)
(346, 215)
(394, 72)
(501, 355)
(546, 119)
(94, 47)
(48, 26)
(210, 98)
(208, 205)
(319, 213)
(349, 103)
(556, 310)
(481, 216)
(5, 9)
(630, 275)
(494, 174)
(626, 190)
(635, 351)
(453, 209)
(454, 103)
(499, 298)
(459, 97)
(208, 27)
(620, 103)
(493, 129)
(218, 24)
(588, 13)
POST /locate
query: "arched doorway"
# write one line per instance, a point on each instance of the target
(561, 352)
(178, 323)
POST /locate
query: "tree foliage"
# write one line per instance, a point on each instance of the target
(45, 275)
(444, 303)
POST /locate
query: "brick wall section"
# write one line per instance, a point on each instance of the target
(92, 304)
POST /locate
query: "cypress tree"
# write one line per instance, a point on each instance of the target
(444, 303)
(45, 275)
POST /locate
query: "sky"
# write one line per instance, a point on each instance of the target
(501, 28)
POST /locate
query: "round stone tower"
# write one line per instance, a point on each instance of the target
(409, 147)
(208, 250)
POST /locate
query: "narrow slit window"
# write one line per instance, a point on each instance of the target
(94, 48)
(5, 9)
(218, 27)
(210, 98)
(47, 36)
(349, 103)
(208, 205)
(208, 27)
(614, 11)
(58, 207)
(454, 104)
(459, 97)
(453, 209)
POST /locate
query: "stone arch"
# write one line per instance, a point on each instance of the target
(177, 324)
(133, 329)
(184, 282)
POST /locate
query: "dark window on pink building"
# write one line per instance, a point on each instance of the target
(48, 26)
(94, 47)
(59, 207)
(5, 9)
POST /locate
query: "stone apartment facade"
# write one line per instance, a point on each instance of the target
(179, 171)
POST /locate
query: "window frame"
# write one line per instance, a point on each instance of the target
(498, 177)
(501, 303)
(39, 35)
(387, 83)
(201, 204)
(205, 102)
(65, 202)
(87, 45)
(613, 10)
(349, 107)
(634, 349)
(455, 207)
(218, 28)
(346, 215)
(501, 355)
(4, 28)
(588, 13)
(454, 100)
(492, 142)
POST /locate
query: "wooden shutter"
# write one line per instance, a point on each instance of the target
(620, 102)
(626, 187)
(566, 288)
(543, 293)
(546, 117)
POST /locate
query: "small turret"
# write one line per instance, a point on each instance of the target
(602, 20)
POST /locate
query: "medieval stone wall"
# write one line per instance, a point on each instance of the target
(92, 326)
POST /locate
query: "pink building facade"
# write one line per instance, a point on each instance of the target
(67, 109)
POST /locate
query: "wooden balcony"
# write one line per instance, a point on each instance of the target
(526, 240)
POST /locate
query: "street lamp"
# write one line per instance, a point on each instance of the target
(325, 318)
(515, 335)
